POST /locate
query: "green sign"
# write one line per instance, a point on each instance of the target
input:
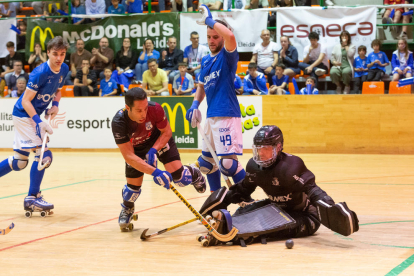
(158, 27)
(176, 107)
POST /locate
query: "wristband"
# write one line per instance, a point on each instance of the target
(55, 103)
(156, 172)
(195, 104)
(37, 119)
(210, 22)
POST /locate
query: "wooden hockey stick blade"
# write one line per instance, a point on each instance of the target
(7, 230)
(144, 236)
(227, 237)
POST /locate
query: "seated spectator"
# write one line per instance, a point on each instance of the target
(10, 58)
(183, 82)
(51, 8)
(170, 58)
(116, 8)
(254, 82)
(125, 59)
(238, 85)
(182, 5)
(315, 58)
(386, 19)
(407, 17)
(18, 72)
(102, 58)
(76, 61)
(238, 4)
(21, 38)
(77, 8)
(36, 56)
(193, 54)
(402, 61)
(85, 81)
(377, 62)
(147, 53)
(133, 6)
(288, 55)
(213, 5)
(8, 10)
(310, 88)
(360, 69)
(265, 55)
(280, 81)
(303, 3)
(19, 89)
(95, 7)
(256, 4)
(342, 59)
(155, 80)
(108, 85)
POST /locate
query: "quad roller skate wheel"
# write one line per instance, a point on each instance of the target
(28, 214)
(213, 223)
(131, 227)
(43, 214)
(200, 238)
(208, 218)
(135, 217)
(204, 242)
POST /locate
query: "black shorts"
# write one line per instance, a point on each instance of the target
(166, 155)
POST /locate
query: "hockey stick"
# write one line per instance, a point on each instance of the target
(145, 237)
(224, 238)
(213, 153)
(41, 166)
(7, 230)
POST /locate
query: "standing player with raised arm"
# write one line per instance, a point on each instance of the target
(223, 123)
(45, 83)
(143, 134)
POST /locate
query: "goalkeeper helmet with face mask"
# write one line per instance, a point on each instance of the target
(266, 145)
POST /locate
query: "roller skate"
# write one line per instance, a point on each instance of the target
(37, 204)
(200, 182)
(222, 222)
(125, 217)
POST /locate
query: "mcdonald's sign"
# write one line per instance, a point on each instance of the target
(42, 37)
(175, 108)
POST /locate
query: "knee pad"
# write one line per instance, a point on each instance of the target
(47, 156)
(182, 177)
(19, 161)
(131, 193)
(233, 168)
(206, 163)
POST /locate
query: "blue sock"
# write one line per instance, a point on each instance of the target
(214, 180)
(238, 177)
(36, 177)
(5, 167)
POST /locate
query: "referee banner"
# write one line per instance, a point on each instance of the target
(328, 23)
(246, 26)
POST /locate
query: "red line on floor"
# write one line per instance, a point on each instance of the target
(9, 219)
(96, 223)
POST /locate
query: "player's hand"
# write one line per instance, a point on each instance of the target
(85, 70)
(164, 54)
(405, 70)
(309, 69)
(207, 19)
(399, 71)
(41, 126)
(190, 112)
(162, 178)
(151, 157)
(53, 111)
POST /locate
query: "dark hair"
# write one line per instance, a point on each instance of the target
(220, 22)
(281, 65)
(287, 39)
(57, 44)
(252, 65)
(151, 60)
(10, 44)
(376, 42)
(80, 40)
(86, 60)
(182, 64)
(134, 94)
(107, 69)
(193, 33)
(17, 60)
(313, 35)
(362, 47)
(312, 78)
(172, 37)
(23, 23)
(348, 35)
(145, 42)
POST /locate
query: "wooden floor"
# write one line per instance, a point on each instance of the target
(83, 237)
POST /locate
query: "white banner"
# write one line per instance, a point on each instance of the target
(7, 35)
(85, 123)
(328, 23)
(246, 26)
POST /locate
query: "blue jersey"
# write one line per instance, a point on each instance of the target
(119, 10)
(279, 82)
(108, 86)
(217, 76)
(381, 56)
(360, 63)
(45, 83)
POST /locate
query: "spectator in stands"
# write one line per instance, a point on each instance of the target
(407, 18)
(19, 89)
(377, 62)
(51, 8)
(78, 8)
(116, 8)
(102, 58)
(193, 54)
(155, 80)
(254, 82)
(288, 55)
(315, 58)
(386, 19)
(36, 56)
(256, 4)
(21, 38)
(303, 3)
(238, 85)
(10, 58)
(310, 88)
(402, 61)
(133, 6)
(125, 60)
(147, 53)
(360, 69)
(85, 81)
(183, 82)
(342, 59)
(280, 81)
(76, 61)
(108, 85)
(211, 4)
(182, 5)
(18, 72)
(170, 58)
(8, 10)
(95, 7)
(265, 55)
